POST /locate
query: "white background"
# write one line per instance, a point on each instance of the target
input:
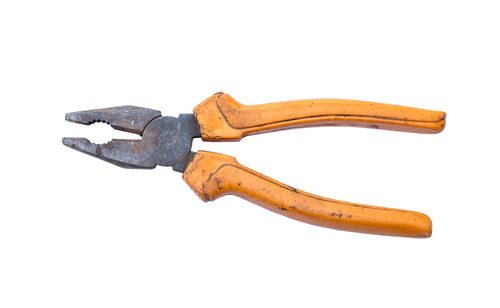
(79, 232)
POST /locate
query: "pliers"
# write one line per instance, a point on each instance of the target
(166, 141)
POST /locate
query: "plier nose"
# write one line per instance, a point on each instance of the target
(167, 141)
(124, 153)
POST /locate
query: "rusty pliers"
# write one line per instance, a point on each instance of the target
(166, 141)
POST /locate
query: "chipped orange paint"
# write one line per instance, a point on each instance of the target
(213, 175)
(222, 118)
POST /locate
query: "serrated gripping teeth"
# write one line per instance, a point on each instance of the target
(126, 118)
(123, 153)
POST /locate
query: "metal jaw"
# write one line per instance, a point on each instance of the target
(166, 141)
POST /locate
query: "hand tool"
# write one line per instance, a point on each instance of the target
(166, 141)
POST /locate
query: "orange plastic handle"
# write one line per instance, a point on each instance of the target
(212, 175)
(222, 118)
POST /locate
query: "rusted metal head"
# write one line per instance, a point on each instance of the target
(166, 141)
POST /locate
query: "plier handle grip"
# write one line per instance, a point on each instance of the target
(222, 118)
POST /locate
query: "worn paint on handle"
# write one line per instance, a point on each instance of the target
(222, 118)
(213, 175)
